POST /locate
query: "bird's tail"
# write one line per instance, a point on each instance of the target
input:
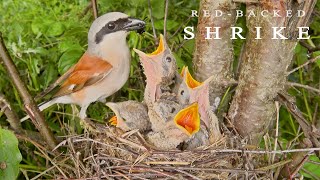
(41, 106)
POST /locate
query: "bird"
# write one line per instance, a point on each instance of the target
(161, 112)
(191, 91)
(130, 115)
(183, 127)
(159, 68)
(104, 67)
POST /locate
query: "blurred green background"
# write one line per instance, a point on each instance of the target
(46, 37)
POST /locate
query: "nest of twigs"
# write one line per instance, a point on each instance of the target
(114, 154)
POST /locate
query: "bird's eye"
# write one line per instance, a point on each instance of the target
(168, 59)
(111, 25)
(182, 92)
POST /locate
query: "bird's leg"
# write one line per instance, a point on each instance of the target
(85, 122)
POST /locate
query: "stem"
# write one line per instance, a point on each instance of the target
(11, 115)
(29, 104)
(94, 8)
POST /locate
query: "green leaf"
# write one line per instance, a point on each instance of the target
(315, 54)
(314, 168)
(69, 44)
(157, 9)
(180, 62)
(36, 26)
(10, 155)
(170, 25)
(50, 73)
(55, 29)
(68, 59)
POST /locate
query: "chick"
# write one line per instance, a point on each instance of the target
(182, 128)
(161, 112)
(160, 70)
(129, 115)
(191, 91)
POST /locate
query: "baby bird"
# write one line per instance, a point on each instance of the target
(161, 112)
(129, 115)
(159, 68)
(182, 128)
(191, 91)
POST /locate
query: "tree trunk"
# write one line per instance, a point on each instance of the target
(263, 69)
(215, 56)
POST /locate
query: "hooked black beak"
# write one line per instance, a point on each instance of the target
(135, 24)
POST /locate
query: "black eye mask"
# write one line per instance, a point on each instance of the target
(111, 27)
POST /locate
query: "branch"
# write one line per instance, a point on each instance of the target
(152, 23)
(306, 127)
(165, 20)
(85, 11)
(304, 64)
(263, 68)
(94, 8)
(11, 115)
(246, 1)
(304, 86)
(215, 57)
(29, 104)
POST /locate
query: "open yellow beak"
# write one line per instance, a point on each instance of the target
(188, 119)
(183, 70)
(190, 81)
(113, 121)
(160, 48)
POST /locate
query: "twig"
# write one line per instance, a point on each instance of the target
(310, 48)
(304, 64)
(304, 124)
(304, 86)
(152, 23)
(179, 28)
(49, 169)
(246, 1)
(277, 130)
(188, 174)
(165, 20)
(29, 104)
(86, 10)
(239, 151)
(212, 169)
(94, 8)
(299, 166)
(11, 115)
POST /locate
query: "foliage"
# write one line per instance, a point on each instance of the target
(47, 37)
(10, 155)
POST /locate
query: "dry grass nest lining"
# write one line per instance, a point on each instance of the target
(114, 154)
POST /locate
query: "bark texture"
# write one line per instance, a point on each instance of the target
(263, 69)
(214, 57)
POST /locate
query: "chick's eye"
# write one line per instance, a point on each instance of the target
(111, 25)
(168, 59)
(182, 92)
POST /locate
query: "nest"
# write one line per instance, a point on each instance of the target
(114, 154)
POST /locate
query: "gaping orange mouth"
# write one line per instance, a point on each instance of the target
(113, 121)
(188, 119)
(160, 48)
(190, 81)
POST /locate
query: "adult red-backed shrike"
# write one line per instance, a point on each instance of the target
(103, 69)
